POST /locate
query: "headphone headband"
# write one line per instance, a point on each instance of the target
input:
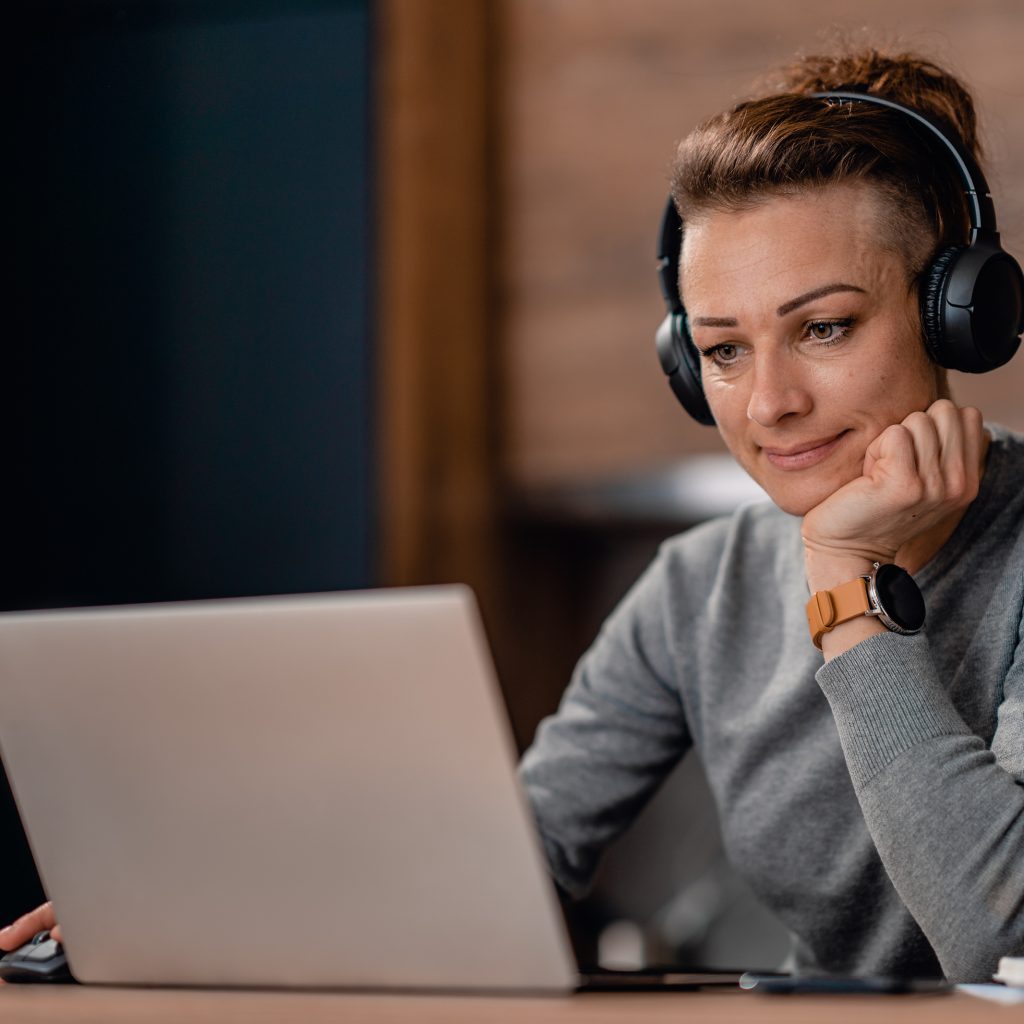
(980, 208)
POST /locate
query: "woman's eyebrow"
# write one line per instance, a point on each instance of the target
(714, 321)
(786, 307)
(818, 293)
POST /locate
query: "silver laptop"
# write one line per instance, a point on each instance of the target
(301, 791)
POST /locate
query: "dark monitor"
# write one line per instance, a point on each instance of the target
(187, 372)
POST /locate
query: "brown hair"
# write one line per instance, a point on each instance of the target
(787, 142)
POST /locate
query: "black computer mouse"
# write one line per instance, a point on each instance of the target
(42, 959)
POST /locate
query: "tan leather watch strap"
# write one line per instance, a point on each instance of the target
(828, 608)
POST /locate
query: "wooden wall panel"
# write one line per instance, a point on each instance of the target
(594, 94)
(436, 441)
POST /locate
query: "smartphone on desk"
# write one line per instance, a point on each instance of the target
(779, 984)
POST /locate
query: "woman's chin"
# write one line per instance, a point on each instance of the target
(794, 507)
(798, 500)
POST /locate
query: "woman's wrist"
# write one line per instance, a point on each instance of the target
(848, 634)
(827, 568)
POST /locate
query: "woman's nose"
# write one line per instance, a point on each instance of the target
(776, 392)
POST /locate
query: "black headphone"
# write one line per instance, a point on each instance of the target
(972, 296)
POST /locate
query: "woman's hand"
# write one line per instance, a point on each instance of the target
(22, 930)
(919, 476)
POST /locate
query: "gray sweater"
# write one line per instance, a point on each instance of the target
(876, 803)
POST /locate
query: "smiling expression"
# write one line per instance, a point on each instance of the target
(809, 334)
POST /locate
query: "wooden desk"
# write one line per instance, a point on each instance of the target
(90, 1005)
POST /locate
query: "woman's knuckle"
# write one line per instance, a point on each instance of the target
(899, 434)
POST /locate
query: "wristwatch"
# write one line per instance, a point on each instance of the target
(889, 592)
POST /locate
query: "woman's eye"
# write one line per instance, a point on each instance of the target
(722, 355)
(828, 330)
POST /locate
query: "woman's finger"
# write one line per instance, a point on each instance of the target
(22, 930)
(895, 459)
(927, 451)
(975, 441)
(953, 454)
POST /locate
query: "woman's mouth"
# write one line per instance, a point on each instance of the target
(805, 454)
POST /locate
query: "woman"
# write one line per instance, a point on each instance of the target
(870, 791)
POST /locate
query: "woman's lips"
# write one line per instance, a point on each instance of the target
(803, 455)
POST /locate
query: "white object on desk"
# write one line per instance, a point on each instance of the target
(994, 993)
(1011, 971)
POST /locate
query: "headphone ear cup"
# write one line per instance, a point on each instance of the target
(686, 381)
(934, 282)
(972, 307)
(677, 354)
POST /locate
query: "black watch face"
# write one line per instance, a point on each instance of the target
(900, 597)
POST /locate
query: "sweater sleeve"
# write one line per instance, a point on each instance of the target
(945, 811)
(618, 732)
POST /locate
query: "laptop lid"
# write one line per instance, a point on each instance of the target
(295, 791)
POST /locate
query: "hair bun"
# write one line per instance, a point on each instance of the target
(907, 78)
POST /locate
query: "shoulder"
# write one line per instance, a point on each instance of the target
(1005, 463)
(999, 528)
(750, 541)
(696, 577)
(715, 563)
(1006, 585)
(1001, 498)
(1012, 440)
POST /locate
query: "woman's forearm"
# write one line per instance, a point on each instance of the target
(946, 817)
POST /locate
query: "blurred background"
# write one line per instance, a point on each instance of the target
(343, 294)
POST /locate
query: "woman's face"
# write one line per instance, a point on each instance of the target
(810, 338)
